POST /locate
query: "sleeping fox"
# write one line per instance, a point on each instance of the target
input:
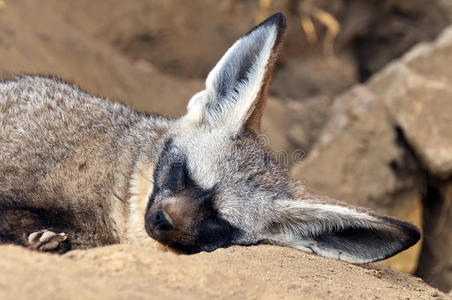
(78, 171)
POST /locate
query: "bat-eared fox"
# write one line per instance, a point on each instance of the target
(78, 171)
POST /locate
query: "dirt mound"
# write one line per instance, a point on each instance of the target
(261, 272)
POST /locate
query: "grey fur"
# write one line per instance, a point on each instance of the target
(103, 173)
(69, 153)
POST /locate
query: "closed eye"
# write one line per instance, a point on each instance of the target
(177, 178)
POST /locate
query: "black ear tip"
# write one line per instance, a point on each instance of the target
(278, 19)
(414, 235)
(410, 234)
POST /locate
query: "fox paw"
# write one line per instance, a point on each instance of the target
(46, 240)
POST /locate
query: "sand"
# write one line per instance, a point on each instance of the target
(257, 272)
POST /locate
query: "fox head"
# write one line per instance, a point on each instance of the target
(215, 185)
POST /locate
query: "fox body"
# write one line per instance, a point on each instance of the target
(77, 171)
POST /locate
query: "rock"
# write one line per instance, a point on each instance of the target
(313, 75)
(388, 145)
(380, 31)
(436, 260)
(417, 91)
(290, 128)
(418, 95)
(306, 120)
(357, 138)
(418, 99)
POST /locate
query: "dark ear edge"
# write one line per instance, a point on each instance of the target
(409, 231)
(367, 244)
(254, 120)
(337, 231)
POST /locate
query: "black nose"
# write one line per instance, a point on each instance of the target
(160, 222)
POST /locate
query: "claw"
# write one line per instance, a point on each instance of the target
(46, 240)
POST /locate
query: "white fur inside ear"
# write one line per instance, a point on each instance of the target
(234, 83)
(310, 218)
(311, 246)
(196, 108)
(235, 111)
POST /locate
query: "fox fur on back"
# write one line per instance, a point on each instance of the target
(74, 145)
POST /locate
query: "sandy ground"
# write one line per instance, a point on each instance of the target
(259, 272)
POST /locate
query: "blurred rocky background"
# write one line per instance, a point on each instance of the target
(362, 91)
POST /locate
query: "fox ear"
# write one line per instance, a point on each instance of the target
(236, 87)
(339, 232)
